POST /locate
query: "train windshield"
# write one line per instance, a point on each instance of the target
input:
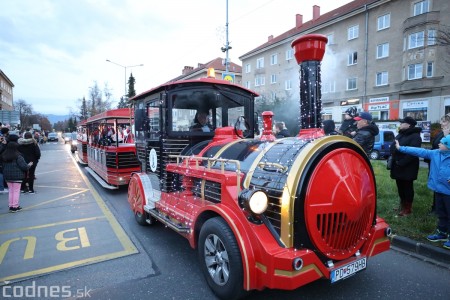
(203, 110)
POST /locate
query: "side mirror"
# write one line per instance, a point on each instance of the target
(140, 120)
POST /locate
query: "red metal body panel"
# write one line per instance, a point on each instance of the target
(265, 262)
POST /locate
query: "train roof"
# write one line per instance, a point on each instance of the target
(112, 114)
(214, 81)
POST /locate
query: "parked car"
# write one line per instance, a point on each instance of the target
(382, 143)
(52, 136)
(67, 137)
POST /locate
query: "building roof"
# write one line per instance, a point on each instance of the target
(216, 63)
(6, 78)
(331, 15)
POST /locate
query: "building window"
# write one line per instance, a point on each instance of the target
(273, 95)
(384, 22)
(328, 87)
(330, 38)
(382, 78)
(260, 80)
(415, 40)
(351, 83)
(431, 37)
(248, 68)
(289, 54)
(260, 63)
(273, 78)
(247, 85)
(414, 71)
(288, 85)
(421, 7)
(274, 59)
(430, 69)
(352, 58)
(383, 50)
(353, 32)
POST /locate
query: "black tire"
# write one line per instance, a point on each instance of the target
(141, 219)
(374, 155)
(224, 272)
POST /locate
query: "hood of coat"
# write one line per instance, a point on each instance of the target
(372, 128)
(410, 130)
(23, 141)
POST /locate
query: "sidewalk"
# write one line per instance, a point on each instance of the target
(434, 254)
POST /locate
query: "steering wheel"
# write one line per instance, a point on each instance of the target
(240, 123)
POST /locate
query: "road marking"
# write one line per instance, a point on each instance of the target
(74, 239)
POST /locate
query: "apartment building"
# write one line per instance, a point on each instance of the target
(382, 56)
(6, 92)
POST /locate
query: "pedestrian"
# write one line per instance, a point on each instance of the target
(365, 132)
(14, 168)
(3, 141)
(348, 126)
(445, 130)
(405, 167)
(31, 152)
(281, 130)
(329, 127)
(439, 182)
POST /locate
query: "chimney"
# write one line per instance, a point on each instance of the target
(298, 20)
(316, 12)
(186, 70)
(270, 38)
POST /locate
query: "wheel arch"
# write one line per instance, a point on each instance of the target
(238, 229)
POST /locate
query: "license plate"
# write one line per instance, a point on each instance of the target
(348, 270)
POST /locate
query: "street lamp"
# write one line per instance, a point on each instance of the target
(125, 68)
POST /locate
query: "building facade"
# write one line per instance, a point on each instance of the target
(385, 57)
(6, 92)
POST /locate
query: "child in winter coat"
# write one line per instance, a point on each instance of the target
(14, 168)
(439, 182)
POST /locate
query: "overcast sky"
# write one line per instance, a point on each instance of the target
(54, 50)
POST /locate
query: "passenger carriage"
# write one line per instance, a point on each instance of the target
(111, 152)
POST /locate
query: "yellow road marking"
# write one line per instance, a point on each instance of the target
(52, 224)
(126, 243)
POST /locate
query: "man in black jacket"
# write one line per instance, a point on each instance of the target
(366, 132)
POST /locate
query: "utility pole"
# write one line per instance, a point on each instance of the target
(227, 43)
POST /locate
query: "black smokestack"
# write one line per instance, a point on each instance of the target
(309, 51)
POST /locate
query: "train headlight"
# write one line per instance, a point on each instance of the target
(255, 201)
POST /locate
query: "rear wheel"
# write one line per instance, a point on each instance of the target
(220, 259)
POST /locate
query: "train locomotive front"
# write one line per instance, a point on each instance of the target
(264, 212)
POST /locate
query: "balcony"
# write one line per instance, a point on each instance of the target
(430, 17)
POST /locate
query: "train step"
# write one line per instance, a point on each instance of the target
(168, 222)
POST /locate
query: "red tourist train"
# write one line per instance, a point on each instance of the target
(110, 148)
(262, 213)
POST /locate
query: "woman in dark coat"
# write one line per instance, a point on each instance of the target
(14, 168)
(30, 150)
(406, 167)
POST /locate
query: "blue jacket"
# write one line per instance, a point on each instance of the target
(439, 167)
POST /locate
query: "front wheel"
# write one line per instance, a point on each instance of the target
(374, 155)
(220, 259)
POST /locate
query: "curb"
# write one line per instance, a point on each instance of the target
(435, 253)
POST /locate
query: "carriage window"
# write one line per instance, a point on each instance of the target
(153, 117)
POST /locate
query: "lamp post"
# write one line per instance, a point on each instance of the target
(125, 68)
